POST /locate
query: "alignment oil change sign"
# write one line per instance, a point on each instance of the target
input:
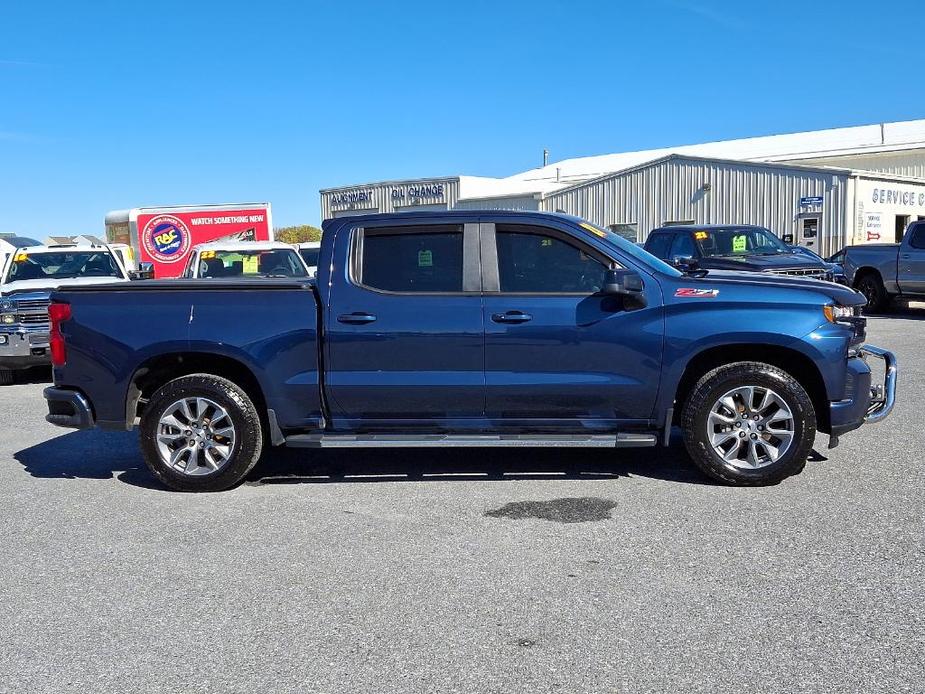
(166, 236)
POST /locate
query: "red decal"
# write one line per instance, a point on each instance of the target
(689, 293)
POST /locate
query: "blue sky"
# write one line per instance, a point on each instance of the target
(107, 105)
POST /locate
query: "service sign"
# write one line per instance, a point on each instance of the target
(166, 237)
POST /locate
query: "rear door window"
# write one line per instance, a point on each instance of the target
(410, 259)
(917, 238)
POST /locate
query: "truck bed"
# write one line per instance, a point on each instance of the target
(268, 326)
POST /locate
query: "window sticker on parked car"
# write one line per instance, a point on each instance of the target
(701, 235)
(739, 243)
(425, 258)
(691, 293)
(251, 264)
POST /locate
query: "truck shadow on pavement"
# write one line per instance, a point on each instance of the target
(102, 455)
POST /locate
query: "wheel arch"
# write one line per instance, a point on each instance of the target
(163, 368)
(865, 271)
(794, 362)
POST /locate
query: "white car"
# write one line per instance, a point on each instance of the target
(29, 275)
(50, 267)
(310, 250)
(245, 259)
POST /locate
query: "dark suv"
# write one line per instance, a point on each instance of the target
(732, 247)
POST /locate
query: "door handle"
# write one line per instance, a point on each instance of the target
(905, 256)
(511, 317)
(356, 318)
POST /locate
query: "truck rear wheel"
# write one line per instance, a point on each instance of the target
(871, 286)
(6, 377)
(749, 423)
(201, 433)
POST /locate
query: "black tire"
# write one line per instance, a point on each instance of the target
(6, 377)
(712, 386)
(248, 443)
(871, 286)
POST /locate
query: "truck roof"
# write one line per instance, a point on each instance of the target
(450, 214)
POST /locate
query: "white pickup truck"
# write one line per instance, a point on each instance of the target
(29, 275)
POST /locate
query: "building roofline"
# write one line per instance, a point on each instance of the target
(394, 182)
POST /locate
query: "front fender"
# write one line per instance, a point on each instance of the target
(692, 330)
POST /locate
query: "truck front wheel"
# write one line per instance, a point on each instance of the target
(201, 433)
(749, 423)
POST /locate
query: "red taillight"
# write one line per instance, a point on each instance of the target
(58, 313)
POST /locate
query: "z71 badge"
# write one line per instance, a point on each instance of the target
(689, 293)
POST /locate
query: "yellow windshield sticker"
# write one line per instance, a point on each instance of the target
(594, 230)
(739, 243)
(20, 258)
(207, 255)
(425, 258)
(701, 235)
(250, 265)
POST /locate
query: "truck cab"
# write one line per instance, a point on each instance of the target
(733, 247)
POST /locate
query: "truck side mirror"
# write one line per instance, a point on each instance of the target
(622, 283)
(685, 263)
(145, 271)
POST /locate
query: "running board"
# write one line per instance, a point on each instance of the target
(625, 440)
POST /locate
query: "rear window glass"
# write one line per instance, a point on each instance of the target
(420, 259)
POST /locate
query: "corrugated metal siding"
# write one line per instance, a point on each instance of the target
(522, 202)
(381, 200)
(908, 163)
(739, 193)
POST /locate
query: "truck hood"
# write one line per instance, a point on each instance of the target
(783, 261)
(716, 279)
(44, 285)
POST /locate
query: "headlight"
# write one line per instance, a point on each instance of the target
(8, 318)
(834, 314)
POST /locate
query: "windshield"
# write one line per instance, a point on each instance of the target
(310, 256)
(736, 241)
(273, 263)
(631, 249)
(61, 266)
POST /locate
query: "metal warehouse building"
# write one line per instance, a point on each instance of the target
(825, 189)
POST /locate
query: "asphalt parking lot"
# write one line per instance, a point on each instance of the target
(465, 571)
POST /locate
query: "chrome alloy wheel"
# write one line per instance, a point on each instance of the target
(750, 427)
(195, 436)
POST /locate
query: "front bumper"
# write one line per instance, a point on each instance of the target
(68, 408)
(866, 402)
(21, 349)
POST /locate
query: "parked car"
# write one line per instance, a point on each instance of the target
(468, 328)
(887, 271)
(732, 247)
(9, 243)
(245, 260)
(26, 282)
(310, 250)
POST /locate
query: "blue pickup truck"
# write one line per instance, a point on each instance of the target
(468, 329)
